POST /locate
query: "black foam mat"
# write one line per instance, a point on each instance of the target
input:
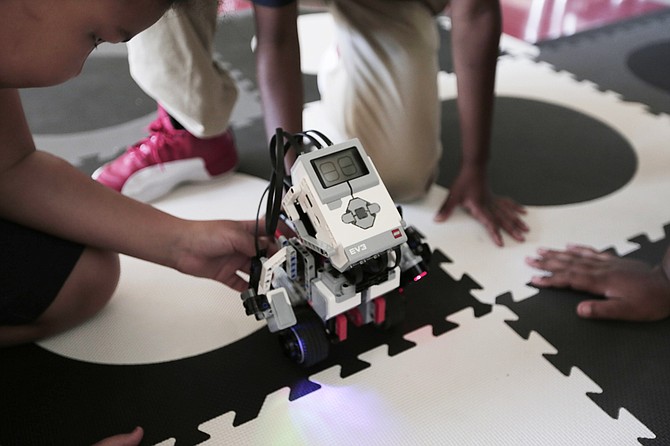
(629, 361)
(631, 58)
(50, 399)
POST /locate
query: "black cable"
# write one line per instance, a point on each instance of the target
(280, 144)
(323, 137)
(275, 189)
(258, 217)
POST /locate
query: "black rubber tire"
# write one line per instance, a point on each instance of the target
(305, 343)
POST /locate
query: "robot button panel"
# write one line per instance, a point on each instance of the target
(361, 213)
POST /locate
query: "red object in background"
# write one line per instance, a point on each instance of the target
(537, 20)
(228, 6)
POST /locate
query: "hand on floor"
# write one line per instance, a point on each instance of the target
(633, 290)
(495, 213)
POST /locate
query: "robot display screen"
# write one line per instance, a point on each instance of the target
(339, 167)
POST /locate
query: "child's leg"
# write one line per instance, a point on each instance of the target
(384, 88)
(48, 285)
(173, 62)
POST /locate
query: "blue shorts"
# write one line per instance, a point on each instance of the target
(33, 269)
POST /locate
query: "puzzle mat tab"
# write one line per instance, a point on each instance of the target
(475, 381)
(479, 384)
(639, 68)
(174, 397)
(629, 361)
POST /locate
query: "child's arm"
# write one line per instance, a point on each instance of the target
(475, 33)
(278, 66)
(44, 192)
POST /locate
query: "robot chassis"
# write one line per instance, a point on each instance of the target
(349, 250)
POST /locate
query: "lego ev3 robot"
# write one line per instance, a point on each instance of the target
(349, 248)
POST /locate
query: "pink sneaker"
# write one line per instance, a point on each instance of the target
(166, 158)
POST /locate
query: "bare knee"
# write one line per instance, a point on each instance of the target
(87, 289)
(92, 283)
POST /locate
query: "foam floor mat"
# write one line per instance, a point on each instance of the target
(480, 358)
(631, 59)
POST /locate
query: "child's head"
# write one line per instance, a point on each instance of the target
(47, 42)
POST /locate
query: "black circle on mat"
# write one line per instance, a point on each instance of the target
(649, 63)
(544, 154)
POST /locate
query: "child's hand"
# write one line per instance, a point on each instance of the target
(218, 249)
(633, 290)
(496, 214)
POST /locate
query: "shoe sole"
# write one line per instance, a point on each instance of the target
(153, 182)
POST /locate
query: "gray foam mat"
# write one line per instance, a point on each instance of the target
(631, 58)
